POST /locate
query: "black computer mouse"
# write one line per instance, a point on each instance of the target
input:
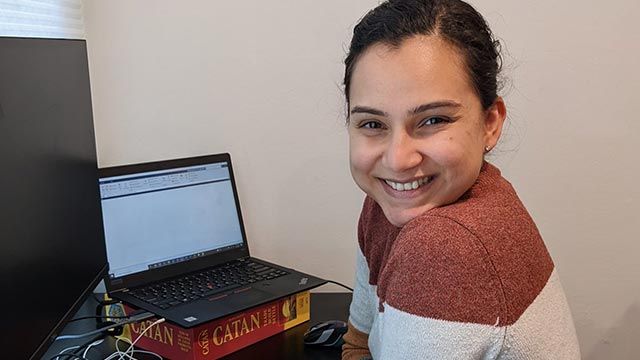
(326, 333)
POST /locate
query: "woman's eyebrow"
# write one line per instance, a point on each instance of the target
(434, 105)
(367, 110)
(416, 110)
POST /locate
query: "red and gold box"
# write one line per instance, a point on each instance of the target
(218, 337)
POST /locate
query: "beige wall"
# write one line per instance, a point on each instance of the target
(261, 80)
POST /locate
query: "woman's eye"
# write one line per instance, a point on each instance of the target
(434, 120)
(371, 125)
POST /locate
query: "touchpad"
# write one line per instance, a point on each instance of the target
(242, 298)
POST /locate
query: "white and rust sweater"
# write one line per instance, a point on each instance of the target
(470, 280)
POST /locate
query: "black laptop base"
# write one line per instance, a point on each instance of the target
(217, 302)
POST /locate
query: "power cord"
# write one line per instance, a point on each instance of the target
(339, 284)
(77, 349)
(132, 319)
(95, 343)
(88, 344)
(125, 354)
(98, 317)
(103, 321)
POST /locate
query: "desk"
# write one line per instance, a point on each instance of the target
(287, 345)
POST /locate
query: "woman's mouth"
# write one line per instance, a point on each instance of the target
(410, 185)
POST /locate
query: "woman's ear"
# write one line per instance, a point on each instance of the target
(493, 122)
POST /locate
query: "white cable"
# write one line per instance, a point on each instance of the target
(125, 354)
(66, 349)
(119, 352)
(161, 320)
(97, 342)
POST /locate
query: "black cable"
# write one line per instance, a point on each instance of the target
(103, 320)
(99, 317)
(76, 353)
(132, 319)
(337, 283)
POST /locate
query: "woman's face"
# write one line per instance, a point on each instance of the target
(417, 129)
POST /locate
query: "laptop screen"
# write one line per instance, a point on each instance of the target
(159, 218)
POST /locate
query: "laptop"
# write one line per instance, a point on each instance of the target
(176, 243)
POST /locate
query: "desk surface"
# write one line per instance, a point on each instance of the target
(286, 345)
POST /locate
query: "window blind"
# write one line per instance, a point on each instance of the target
(60, 19)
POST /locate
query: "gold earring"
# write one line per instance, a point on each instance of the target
(487, 148)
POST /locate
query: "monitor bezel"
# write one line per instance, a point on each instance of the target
(45, 345)
(32, 44)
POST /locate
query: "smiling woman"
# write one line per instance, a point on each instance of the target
(417, 127)
(451, 266)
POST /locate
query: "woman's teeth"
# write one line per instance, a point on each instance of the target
(409, 185)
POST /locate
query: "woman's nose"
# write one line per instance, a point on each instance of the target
(402, 153)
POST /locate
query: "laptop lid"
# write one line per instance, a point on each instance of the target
(167, 218)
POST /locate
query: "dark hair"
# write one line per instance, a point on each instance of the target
(454, 20)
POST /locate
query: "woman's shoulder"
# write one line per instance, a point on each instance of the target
(491, 211)
(478, 260)
(438, 269)
(451, 280)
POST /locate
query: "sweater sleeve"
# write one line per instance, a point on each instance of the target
(363, 303)
(361, 313)
(441, 296)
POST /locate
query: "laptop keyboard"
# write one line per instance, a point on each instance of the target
(209, 282)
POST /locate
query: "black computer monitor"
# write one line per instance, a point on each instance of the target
(51, 232)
